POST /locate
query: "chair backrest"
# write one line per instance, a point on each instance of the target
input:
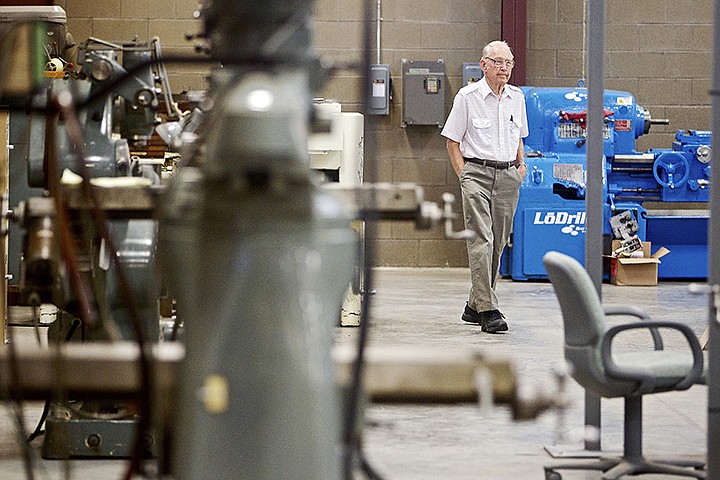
(584, 323)
(583, 314)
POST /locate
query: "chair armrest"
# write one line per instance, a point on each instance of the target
(613, 370)
(639, 313)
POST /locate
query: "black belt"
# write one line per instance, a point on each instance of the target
(489, 163)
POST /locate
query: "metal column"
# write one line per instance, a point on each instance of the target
(261, 258)
(713, 430)
(4, 168)
(594, 196)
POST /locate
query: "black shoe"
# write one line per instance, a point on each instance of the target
(492, 321)
(471, 316)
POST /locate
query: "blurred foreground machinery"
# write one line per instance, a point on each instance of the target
(268, 283)
(74, 243)
(664, 190)
(269, 255)
(258, 254)
(58, 47)
(118, 119)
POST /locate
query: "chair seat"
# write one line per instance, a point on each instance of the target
(667, 367)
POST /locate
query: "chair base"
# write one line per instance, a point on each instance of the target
(578, 450)
(615, 467)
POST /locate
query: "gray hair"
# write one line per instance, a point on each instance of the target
(492, 45)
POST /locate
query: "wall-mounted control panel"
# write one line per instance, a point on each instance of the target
(424, 88)
(380, 90)
(471, 72)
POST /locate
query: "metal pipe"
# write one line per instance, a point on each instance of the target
(632, 169)
(377, 32)
(594, 195)
(4, 194)
(392, 375)
(636, 198)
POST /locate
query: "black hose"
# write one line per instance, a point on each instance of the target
(352, 451)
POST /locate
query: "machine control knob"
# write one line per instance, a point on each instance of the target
(101, 69)
(144, 97)
(93, 441)
(704, 153)
(537, 175)
(671, 170)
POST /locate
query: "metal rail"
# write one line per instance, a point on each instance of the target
(391, 375)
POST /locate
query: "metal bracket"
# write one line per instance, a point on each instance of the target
(448, 214)
(399, 202)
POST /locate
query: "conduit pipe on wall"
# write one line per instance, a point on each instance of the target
(377, 29)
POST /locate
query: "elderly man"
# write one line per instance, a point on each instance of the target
(484, 133)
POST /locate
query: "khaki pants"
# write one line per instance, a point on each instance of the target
(489, 197)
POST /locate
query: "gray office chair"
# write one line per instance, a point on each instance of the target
(588, 350)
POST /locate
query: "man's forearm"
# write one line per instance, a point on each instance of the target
(520, 155)
(456, 158)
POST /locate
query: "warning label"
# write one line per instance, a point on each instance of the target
(623, 125)
(572, 172)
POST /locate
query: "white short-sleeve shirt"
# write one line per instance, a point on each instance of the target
(485, 126)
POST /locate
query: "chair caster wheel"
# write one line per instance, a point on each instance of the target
(552, 475)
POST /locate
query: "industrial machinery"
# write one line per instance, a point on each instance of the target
(664, 190)
(337, 152)
(58, 46)
(118, 120)
(89, 250)
(257, 252)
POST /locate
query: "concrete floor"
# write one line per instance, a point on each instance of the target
(421, 308)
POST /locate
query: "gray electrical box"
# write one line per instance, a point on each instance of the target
(379, 98)
(471, 72)
(423, 92)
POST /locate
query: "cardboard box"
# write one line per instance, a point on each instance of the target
(636, 271)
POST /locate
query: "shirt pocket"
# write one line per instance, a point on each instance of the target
(483, 129)
(481, 123)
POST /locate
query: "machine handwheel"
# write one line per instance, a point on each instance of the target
(552, 475)
(675, 170)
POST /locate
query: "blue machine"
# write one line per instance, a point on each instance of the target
(666, 190)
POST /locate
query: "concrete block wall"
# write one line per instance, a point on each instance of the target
(659, 50)
(452, 30)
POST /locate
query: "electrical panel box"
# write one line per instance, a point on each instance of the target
(471, 72)
(423, 92)
(379, 103)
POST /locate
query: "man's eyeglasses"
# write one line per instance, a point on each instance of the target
(499, 62)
